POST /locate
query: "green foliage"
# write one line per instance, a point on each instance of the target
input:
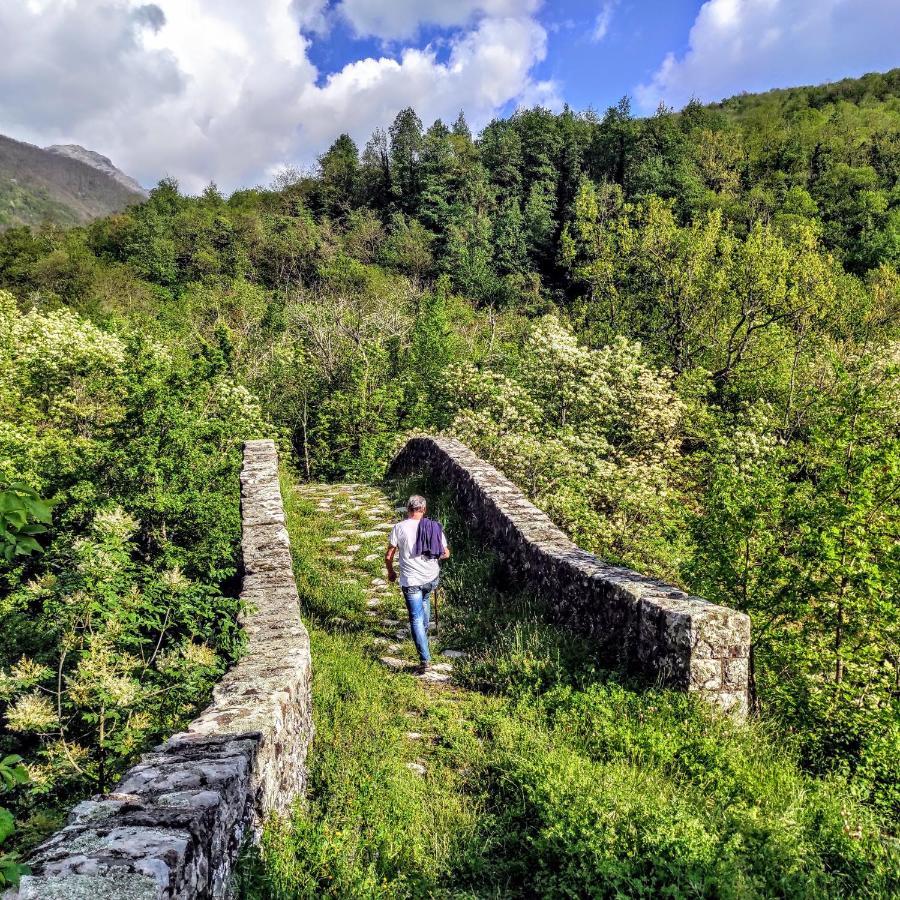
(23, 517)
(802, 533)
(677, 334)
(592, 435)
(12, 774)
(405, 168)
(112, 635)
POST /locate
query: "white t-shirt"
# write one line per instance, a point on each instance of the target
(414, 570)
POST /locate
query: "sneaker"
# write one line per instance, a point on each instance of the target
(422, 668)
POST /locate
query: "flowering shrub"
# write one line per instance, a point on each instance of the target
(591, 434)
(112, 635)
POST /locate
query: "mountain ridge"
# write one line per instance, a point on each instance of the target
(98, 161)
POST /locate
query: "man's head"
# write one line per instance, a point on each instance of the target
(415, 506)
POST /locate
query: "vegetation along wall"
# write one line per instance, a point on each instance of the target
(647, 624)
(175, 823)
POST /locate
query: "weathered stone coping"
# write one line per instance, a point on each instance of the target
(651, 626)
(176, 821)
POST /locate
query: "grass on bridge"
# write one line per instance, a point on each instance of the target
(533, 772)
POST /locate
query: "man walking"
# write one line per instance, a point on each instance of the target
(418, 543)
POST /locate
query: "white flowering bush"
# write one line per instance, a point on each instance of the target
(592, 435)
(114, 618)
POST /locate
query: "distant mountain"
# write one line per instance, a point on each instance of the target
(66, 185)
(99, 162)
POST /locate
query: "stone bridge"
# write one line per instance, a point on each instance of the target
(174, 825)
(647, 625)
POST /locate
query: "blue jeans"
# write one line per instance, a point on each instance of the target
(418, 605)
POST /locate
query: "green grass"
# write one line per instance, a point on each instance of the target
(546, 776)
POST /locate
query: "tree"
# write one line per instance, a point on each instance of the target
(461, 128)
(610, 152)
(408, 247)
(468, 252)
(339, 178)
(801, 535)
(501, 153)
(433, 347)
(591, 435)
(375, 172)
(405, 151)
(510, 250)
(539, 221)
(437, 176)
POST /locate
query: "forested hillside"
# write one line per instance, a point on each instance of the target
(679, 335)
(63, 185)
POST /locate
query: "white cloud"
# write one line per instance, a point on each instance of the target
(603, 20)
(486, 68)
(755, 45)
(224, 89)
(392, 19)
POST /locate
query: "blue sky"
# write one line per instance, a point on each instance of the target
(638, 36)
(591, 72)
(233, 90)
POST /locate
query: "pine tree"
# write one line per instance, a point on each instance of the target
(539, 221)
(610, 152)
(501, 153)
(375, 172)
(510, 251)
(406, 149)
(437, 175)
(461, 127)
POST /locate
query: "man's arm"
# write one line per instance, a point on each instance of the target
(446, 551)
(389, 562)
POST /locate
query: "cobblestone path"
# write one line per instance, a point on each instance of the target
(354, 553)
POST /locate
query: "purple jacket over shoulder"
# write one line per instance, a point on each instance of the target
(429, 539)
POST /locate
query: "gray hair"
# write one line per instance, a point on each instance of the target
(415, 503)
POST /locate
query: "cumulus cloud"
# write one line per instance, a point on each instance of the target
(485, 68)
(225, 89)
(62, 62)
(755, 45)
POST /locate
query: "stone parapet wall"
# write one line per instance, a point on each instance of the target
(175, 823)
(648, 625)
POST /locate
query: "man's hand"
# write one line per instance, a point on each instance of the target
(389, 562)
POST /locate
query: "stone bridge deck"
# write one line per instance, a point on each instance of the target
(648, 625)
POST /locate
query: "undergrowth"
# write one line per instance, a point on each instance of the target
(546, 775)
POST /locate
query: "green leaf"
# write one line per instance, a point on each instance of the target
(27, 545)
(11, 871)
(7, 824)
(41, 511)
(18, 517)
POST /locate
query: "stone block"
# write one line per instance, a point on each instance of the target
(706, 675)
(735, 673)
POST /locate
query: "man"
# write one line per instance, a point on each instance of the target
(418, 543)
